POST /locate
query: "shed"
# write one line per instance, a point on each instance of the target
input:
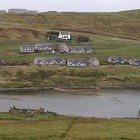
(93, 62)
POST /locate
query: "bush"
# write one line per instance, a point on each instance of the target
(83, 39)
(52, 35)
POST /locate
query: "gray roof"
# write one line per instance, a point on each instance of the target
(64, 33)
(44, 59)
(27, 46)
(49, 59)
(45, 46)
(92, 59)
(119, 59)
(79, 49)
(75, 61)
(58, 59)
(136, 60)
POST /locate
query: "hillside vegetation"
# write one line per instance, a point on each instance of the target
(112, 34)
(34, 27)
(57, 76)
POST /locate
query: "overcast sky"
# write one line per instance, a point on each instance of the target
(72, 5)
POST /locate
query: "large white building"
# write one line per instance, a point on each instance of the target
(64, 35)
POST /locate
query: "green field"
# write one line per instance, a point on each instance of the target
(57, 127)
(104, 75)
(61, 76)
(102, 47)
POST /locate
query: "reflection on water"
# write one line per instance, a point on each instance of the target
(110, 104)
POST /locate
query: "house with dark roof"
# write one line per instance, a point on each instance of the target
(48, 47)
(19, 63)
(27, 49)
(49, 61)
(77, 62)
(119, 60)
(134, 61)
(59, 61)
(80, 50)
(44, 60)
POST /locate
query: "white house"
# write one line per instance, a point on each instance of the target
(64, 35)
(27, 49)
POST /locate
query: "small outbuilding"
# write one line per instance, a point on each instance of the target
(93, 62)
(63, 48)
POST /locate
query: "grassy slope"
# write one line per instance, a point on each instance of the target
(68, 128)
(27, 76)
(105, 75)
(32, 27)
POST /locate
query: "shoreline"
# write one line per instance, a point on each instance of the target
(67, 88)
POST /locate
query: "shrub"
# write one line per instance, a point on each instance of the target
(52, 35)
(83, 39)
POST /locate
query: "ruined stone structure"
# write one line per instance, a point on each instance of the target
(14, 110)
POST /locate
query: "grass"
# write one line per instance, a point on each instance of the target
(52, 76)
(103, 29)
(104, 75)
(34, 27)
(104, 129)
(103, 47)
(66, 128)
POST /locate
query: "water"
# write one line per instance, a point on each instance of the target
(108, 104)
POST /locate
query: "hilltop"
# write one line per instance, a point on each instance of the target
(23, 27)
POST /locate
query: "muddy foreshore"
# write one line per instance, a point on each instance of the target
(67, 88)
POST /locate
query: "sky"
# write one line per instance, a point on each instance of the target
(71, 5)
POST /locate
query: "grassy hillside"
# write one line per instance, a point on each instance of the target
(15, 127)
(43, 76)
(33, 27)
(102, 47)
(104, 75)
(103, 29)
